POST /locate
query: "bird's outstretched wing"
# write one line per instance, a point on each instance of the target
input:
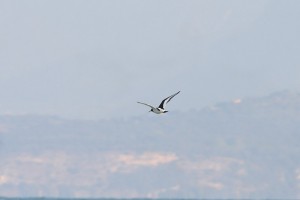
(166, 100)
(146, 104)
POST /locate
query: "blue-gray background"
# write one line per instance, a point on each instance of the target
(95, 59)
(72, 71)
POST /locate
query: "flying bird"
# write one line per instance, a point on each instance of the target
(161, 108)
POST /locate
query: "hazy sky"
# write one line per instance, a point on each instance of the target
(95, 59)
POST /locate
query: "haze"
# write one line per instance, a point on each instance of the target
(95, 59)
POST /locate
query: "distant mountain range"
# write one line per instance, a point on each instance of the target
(247, 148)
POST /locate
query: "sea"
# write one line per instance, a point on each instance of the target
(44, 198)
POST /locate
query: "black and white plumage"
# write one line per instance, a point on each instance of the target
(161, 108)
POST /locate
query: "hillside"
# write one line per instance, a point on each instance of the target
(247, 148)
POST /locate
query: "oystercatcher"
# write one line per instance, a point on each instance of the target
(161, 108)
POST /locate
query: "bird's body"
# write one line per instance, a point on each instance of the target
(160, 109)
